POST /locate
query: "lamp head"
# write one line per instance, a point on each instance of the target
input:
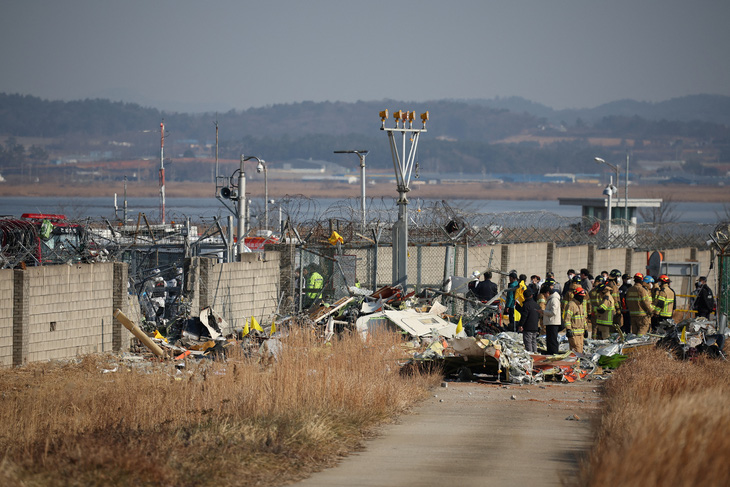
(599, 160)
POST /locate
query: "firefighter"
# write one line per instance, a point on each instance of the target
(592, 303)
(574, 283)
(665, 300)
(638, 300)
(575, 320)
(612, 282)
(604, 311)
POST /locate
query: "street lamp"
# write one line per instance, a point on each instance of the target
(242, 201)
(608, 191)
(361, 154)
(261, 166)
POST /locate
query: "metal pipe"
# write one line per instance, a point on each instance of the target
(241, 207)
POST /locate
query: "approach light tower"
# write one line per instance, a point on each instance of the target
(403, 167)
(162, 171)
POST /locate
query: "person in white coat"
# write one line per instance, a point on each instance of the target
(551, 318)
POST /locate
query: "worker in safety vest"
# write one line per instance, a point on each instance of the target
(593, 301)
(314, 282)
(638, 300)
(575, 320)
(570, 292)
(665, 300)
(612, 282)
(604, 312)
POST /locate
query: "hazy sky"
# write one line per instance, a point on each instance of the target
(217, 55)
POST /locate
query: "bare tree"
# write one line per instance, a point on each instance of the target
(665, 213)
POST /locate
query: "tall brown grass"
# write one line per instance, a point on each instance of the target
(233, 422)
(664, 422)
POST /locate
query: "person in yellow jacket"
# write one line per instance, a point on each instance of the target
(638, 301)
(593, 301)
(612, 282)
(664, 301)
(604, 311)
(575, 320)
(314, 282)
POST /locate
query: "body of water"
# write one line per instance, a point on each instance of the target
(180, 208)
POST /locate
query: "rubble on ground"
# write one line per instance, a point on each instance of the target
(470, 347)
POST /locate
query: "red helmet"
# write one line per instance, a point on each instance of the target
(579, 291)
(664, 278)
(638, 277)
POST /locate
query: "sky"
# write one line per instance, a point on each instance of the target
(217, 55)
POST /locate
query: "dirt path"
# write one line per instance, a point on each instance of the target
(474, 435)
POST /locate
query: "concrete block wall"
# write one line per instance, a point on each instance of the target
(76, 317)
(609, 259)
(59, 312)
(6, 316)
(529, 259)
(239, 290)
(565, 258)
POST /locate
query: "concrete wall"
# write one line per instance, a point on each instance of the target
(75, 318)
(6, 317)
(239, 290)
(59, 312)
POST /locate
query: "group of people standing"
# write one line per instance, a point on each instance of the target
(588, 307)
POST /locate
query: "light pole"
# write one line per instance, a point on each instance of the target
(261, 166)
(615, 168)
(361, 154)
(608, 191)
(403, 171)
(242, 202)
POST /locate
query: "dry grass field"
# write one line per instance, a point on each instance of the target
(328, 189)
(663, 422)
(237, 422)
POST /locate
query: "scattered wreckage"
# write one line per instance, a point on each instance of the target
(475, 348)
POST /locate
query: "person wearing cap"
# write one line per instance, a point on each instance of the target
(556, 285)
(705, 301)
(551, 316)
(638, 301)
(665, 300)
(528, 325)
(604, 312)
(612, 282)
(575, 320)
(571, 291)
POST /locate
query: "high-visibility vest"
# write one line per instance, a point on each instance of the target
(604, 311)
(615, 294)
(639, 301)
(314, 285)
(664, 303)
(575, 317)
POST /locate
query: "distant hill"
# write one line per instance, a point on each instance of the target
(473, 136)
(704, 108)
